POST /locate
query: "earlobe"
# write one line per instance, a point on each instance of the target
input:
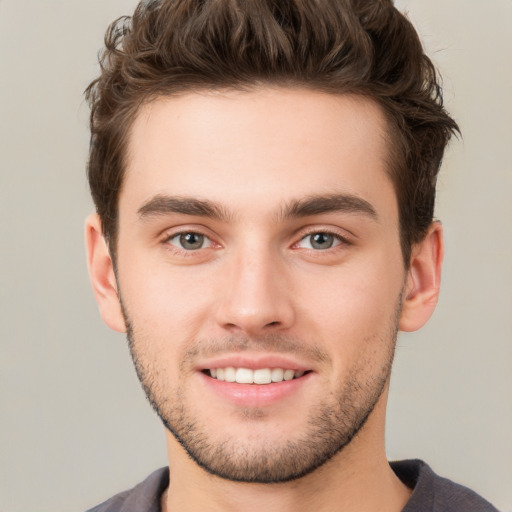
(101, 273)
(423, 280)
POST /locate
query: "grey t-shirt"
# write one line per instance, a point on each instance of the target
(431, 492)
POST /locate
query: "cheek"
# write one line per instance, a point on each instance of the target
(351, 308)
(166, 304)
(356, 301)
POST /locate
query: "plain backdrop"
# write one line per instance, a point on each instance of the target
(74, 425)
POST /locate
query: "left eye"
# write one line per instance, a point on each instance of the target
(190, 241)
(319, 241)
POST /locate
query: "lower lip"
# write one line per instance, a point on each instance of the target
(255, 395)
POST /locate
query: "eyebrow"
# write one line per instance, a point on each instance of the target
(160, 205)
(319, 204)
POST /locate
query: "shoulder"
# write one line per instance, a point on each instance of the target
(144, 497)
(434, 493)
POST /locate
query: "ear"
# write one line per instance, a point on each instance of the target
(101, 272)
(423, 280)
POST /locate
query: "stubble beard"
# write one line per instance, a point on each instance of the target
(331, 424)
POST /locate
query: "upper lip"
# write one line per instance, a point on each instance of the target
(254, 362)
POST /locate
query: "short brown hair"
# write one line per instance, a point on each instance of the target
(364, 47)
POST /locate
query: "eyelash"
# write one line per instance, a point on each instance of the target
(181, 250)
(342, 241)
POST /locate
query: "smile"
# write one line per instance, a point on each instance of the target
(256, 376)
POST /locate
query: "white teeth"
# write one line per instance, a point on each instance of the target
(289, 374)
(229, 374)
(277, 374)
(244, 376)
(259, 376)
(262, 376)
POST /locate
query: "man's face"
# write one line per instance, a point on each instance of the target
(259, 241)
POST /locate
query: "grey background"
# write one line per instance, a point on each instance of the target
(75, 427)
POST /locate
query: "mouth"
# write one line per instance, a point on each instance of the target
(256, 380)
(259, 376)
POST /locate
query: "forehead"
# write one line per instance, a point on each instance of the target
(257, 148)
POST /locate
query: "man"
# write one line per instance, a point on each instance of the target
(264, 179)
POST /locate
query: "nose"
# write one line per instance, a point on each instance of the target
(257, 297)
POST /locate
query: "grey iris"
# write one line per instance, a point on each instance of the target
(191, 241)
(322, 241)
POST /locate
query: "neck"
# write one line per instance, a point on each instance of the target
(359, 478)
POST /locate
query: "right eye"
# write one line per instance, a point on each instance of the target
(320, 241)
(190, 241)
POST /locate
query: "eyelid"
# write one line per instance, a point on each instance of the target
(171, 233)
(338, 233)
(312, 230)
(206, 240)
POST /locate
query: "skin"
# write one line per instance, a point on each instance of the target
(258, 288)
